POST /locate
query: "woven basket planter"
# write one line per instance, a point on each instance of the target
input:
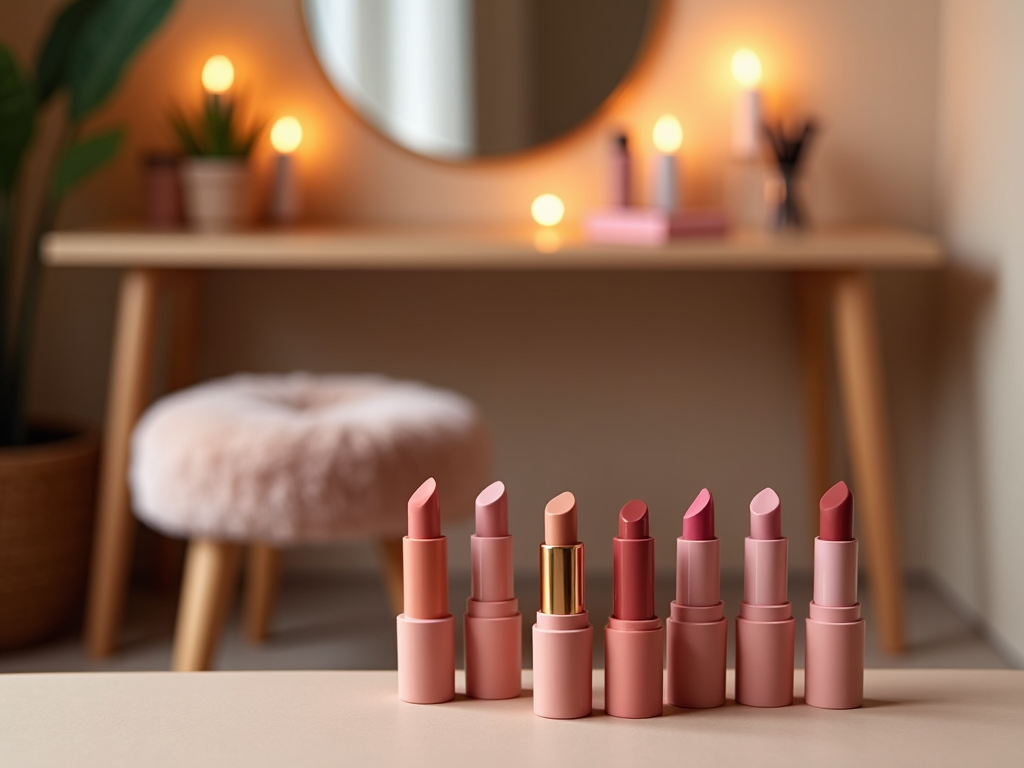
(47, 505)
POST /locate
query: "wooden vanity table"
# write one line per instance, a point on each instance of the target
(832, 268)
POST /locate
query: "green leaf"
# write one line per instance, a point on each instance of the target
(52, 67)
(111, 36)
(81, 159)
(17, 114)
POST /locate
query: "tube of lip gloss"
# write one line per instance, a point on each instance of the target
(494, 639)
(426, 630)
(765, 628)
(697, 629)
(834, 675)
(634, 639)
(563, 640)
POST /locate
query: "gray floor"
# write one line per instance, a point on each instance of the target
(344, 622)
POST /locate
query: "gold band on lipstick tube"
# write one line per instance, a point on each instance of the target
(561, 579)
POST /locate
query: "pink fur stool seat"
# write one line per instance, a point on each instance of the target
(302, 458)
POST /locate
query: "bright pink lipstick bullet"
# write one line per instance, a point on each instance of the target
(426, 629)
(834, 677)
(765, 628)
(494, 638)
(697, 629)
(634, 637)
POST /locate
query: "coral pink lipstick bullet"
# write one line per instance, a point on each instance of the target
(426, 629)
(834, 677)
(635, 636)
(765, 628)
(494, 638)
(697, 629)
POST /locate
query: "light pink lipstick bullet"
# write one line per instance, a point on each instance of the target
(765, 628)
(697, 629)
(426, 629)
(494, 637)
(834, 677)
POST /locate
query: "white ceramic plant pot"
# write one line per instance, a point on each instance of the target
(217, 192)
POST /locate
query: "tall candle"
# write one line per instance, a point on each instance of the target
(746, 127)
(285, 137)
(668, 137)
(218, 77)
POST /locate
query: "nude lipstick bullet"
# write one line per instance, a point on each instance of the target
(634, 639)
(426, 630)
(563, 640)
(494, 640)
(697, 629)
(765, 628)
(834, 676)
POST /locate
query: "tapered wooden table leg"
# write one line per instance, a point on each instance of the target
(262, 575)
(128, 390)
(211, 569)
(812, 308)
(860, 374)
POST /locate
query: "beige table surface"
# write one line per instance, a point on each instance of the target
(912, 718)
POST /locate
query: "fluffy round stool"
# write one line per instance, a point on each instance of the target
(271, 461)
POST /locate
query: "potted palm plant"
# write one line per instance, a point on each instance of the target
(48, 471)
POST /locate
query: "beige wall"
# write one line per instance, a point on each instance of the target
(977, 524)
(613, 387)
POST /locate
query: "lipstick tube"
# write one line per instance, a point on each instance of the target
(765, 628)
(697, 629)
(834, 675)
(426, 630)
(563, 640)
(634, 639)
(494, 638)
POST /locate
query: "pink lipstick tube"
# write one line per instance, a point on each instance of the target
(494, 638)
(765, 628)
(563, 640)
(634, 639)
(697, 629)
(426, 630)
(834, 676)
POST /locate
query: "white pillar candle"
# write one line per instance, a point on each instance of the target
(285, 137)
(746, 127)
(668, 138)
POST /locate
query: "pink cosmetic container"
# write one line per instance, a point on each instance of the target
(426, 630)
(697, 629)
(834, 676)
(765, 628)
(494, 639)
(563, 640)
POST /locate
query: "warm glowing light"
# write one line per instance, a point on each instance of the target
(547, 210)
(746, 68)
(547, 240)
(286, 135)
(218, 74)
(668, 135)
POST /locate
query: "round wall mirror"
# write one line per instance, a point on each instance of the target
(458, 79)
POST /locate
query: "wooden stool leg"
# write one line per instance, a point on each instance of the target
(129, 388)
(391, 560)
(860, 374)
(262, 574)
(812, 303)
(210, 571)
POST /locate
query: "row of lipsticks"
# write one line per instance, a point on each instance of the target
(635, 638)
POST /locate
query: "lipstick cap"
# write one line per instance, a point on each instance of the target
(696, 654)
(426, 659)
(834, 676)
(563, 651)
(494, 656)
(633, 678)
(764, 661)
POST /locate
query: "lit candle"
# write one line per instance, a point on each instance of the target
(285, 137)
(547, 210)
(746, 126)
(668, 137)
(218, 76)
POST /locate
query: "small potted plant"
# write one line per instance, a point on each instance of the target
(215, 176)
(48, 470)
